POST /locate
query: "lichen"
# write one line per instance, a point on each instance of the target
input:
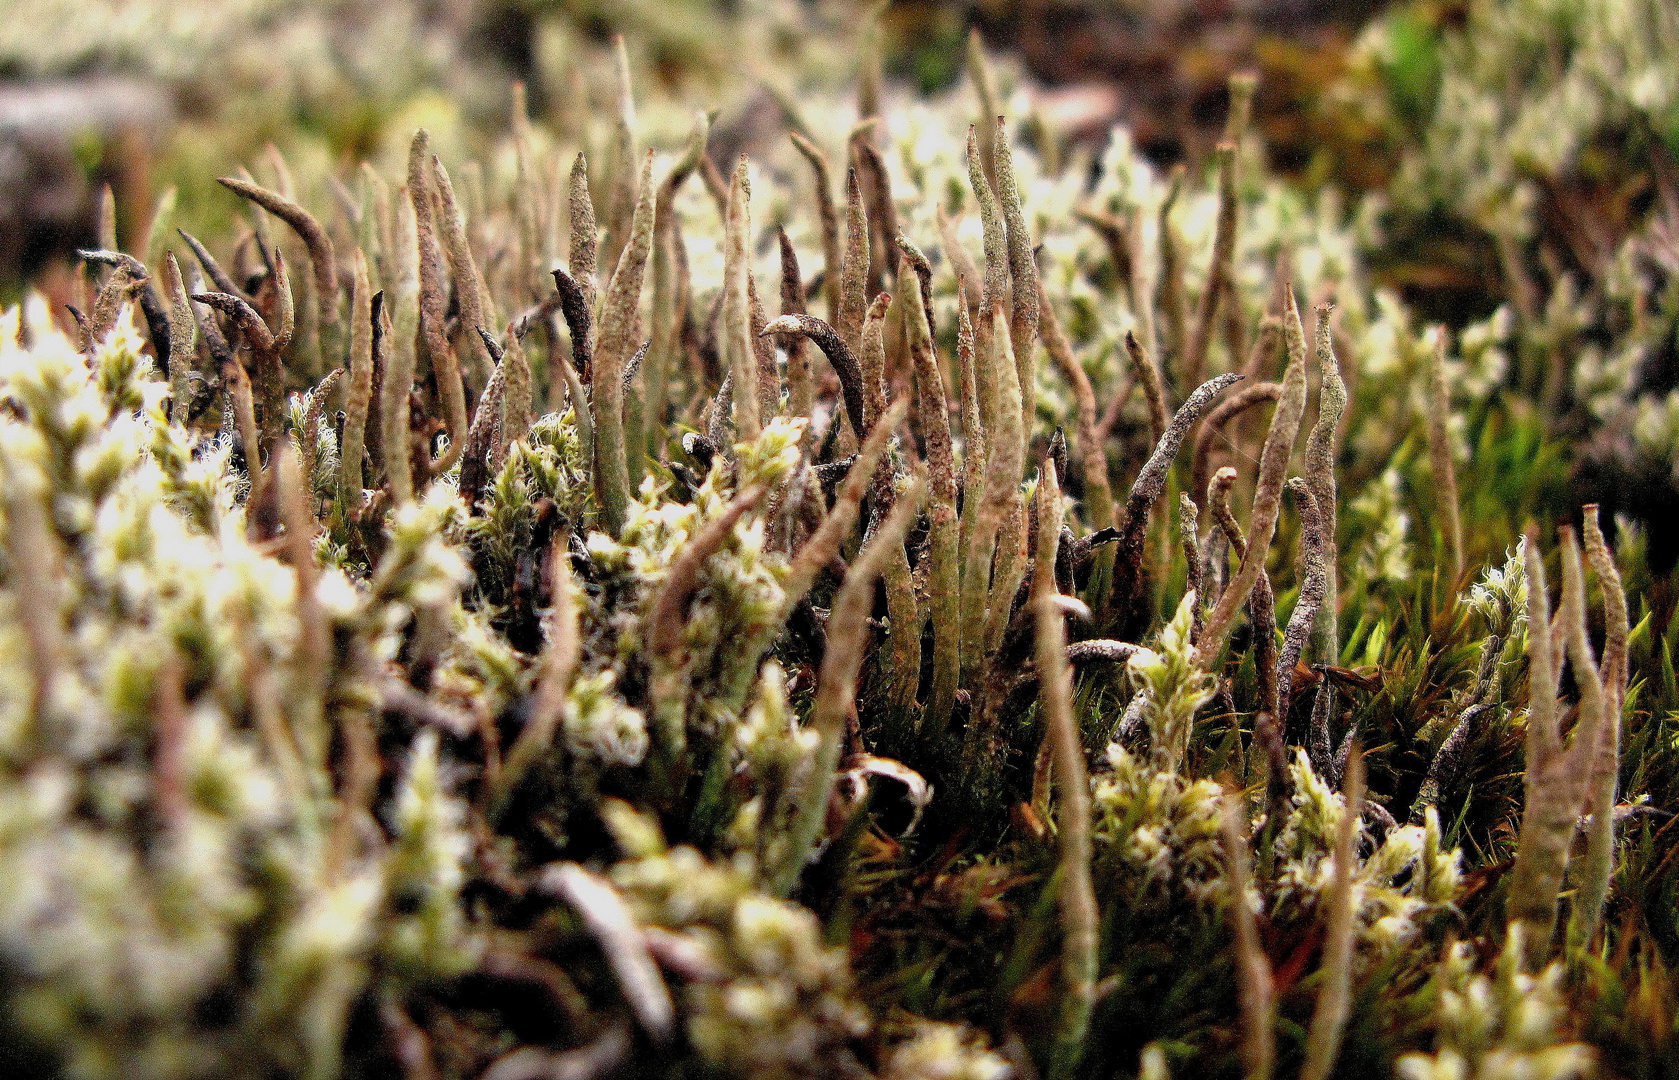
(403, 667)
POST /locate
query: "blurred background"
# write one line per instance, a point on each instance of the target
(153, 95)
(1514, 153)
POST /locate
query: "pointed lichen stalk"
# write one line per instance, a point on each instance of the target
(768, 381)
(1241, 86)
(1262, 619)
(270, 390)
(477, 307)
(871, 359)
(647, 434)
(584, 245)
(1440, 455)
(378, 230)
(615, 345)
(402, 299)
(306, 430)
(985, 88)
(1449, 761)
(944, 573)
(236, 384)
(315, 239)
(836, 685)
(1267, 498)
(996, 246)
(715, 185)
(582, 409)
(218, 276)
(1189, 523)
(1176, 329)
(158, 226)
(1321, 450)
(875, 186)
(133, 283)
(127, 280)
(1079, 914)
(1314, 555)
(974, 452)
(1014, 539)
(991, 508)
(1558, 777)
(623, 193)
(829, 217)
(843, 360)
(308, 435)
(916, 262)
(580, 324)
(819, 550)
(1147, 488)
(358, 395)
(854, 271)
(734, 331)
(105, 221)
(516, 403)
(478, 456)
(1119, 234)
(622, 940)
(433, 305)
(903, 636)
(1529, 901)
(285, 310)
(1023, 275)
(801, 388)
(968, 277)
(1220, 273)
(1145, 371)
(1605, 762)
(1098, 498)
(181, 335)
(528, 206)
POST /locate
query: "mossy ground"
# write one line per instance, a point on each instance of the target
(592, 720)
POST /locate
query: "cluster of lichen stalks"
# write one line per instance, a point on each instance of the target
(286, 789)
